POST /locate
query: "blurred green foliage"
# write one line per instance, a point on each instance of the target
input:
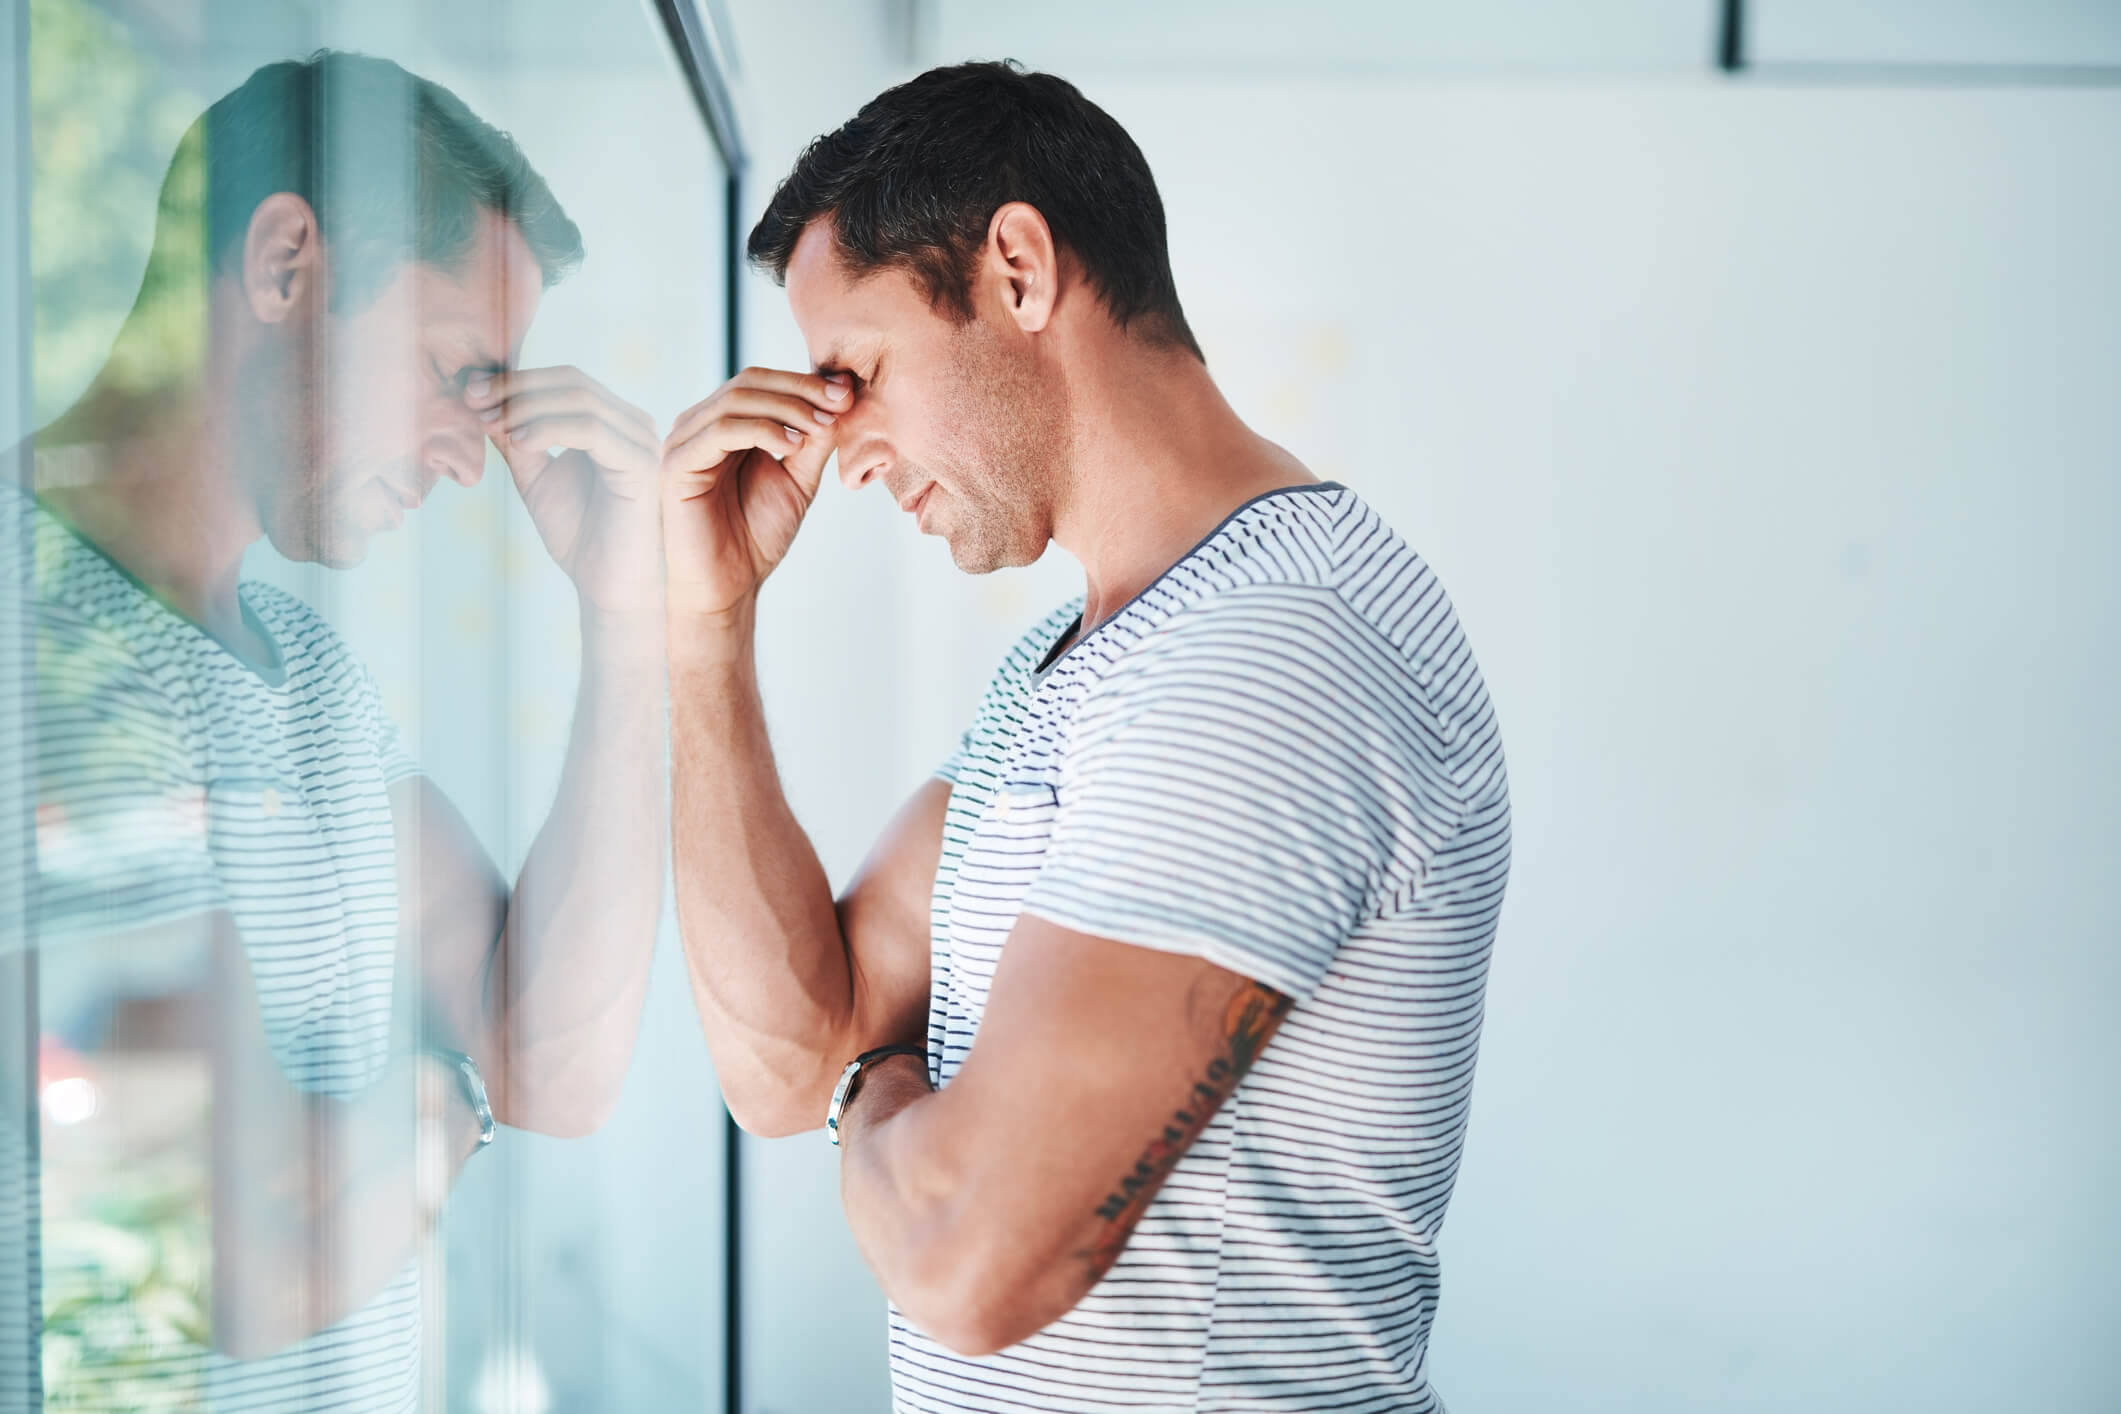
(104, 121)
(126, 1306)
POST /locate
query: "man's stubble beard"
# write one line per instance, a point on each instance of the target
(281, 454)
(1019, 426)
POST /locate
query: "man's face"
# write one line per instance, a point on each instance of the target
(961, 422)
(352, 419)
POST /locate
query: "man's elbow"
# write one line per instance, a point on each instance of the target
(774, 1101)
(976, 1336)
(977, 1308)
(571, 1121)
(560, 1111)
(769, 1116)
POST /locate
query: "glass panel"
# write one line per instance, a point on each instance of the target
(346, 724)
(1957, 32)
(1269, 36)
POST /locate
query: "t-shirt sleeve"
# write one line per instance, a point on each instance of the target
(954, 763)
(1246, 786)
(397, 759)
(121, 814)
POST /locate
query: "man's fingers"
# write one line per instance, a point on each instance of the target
(744, 403)
(714, 443)
(821, 394)
(485, 392)
(806, 465)
(789, 411)
(524, 409)
(606, 446)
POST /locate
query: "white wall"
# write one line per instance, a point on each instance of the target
(1765, 437)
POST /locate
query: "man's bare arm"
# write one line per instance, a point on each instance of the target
(316, 1201)
(543, 984)
(990, 1208)
(789, 986)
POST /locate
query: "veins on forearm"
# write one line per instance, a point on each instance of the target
(1248, 1020)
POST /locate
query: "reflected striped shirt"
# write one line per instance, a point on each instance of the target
(1279, 757)
(174, 781)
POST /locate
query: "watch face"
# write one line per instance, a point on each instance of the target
(839, 1100)
(475, 1091)
(474, 1087)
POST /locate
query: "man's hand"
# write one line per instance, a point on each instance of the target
(739, 471)
(593, 502)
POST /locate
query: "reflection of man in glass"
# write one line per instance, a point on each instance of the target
(345, 263)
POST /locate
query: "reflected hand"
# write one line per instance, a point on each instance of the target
(593, 501)
(739, 471)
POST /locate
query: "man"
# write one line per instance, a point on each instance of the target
(1182, 952)
(346, 261)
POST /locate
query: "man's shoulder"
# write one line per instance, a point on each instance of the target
(1313, 565)
(1290, 545)
(98, 631)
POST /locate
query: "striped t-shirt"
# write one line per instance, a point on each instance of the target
(1279, 757)
(173, 781)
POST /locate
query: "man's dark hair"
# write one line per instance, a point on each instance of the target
(395, 166)
(913, 180)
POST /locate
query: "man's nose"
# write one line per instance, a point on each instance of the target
(861, 462)
(457, 448)
(459, 464)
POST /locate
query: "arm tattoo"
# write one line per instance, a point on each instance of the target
(1248, 1020)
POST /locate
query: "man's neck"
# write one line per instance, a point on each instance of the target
(145, 477)
(1160, 461)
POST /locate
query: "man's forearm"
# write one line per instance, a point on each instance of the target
(318, 1201)
(762, 938)
(564, 990)
(947, 1221)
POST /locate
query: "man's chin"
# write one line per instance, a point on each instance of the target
(983, 556)
(341, 558)
(346, 548)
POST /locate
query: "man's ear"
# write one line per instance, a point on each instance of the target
(283, 260)
(1025, 264)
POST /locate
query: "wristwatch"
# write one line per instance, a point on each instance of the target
(844, 1091)
(472, 1086)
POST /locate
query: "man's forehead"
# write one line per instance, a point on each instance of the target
(845, 317)
(490, 297)
(483, 320)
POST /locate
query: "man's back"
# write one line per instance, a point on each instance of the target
(1279, 757)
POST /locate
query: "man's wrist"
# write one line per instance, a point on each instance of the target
(713, 638)
(471, 1112)
(449, 1131)
(896, 1080)
(623, 638)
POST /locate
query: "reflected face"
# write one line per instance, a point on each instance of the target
(351, 422)
(960, 422)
